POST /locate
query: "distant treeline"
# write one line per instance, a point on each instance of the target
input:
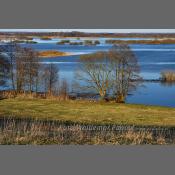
(83, 34)
(156, 41)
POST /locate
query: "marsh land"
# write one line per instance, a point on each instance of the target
(42, 93)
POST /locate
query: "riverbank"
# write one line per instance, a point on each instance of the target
(88, 112)
(79, 122)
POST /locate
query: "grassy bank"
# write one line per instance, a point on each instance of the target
(88, 112)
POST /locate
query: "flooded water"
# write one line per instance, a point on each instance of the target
(153, 59)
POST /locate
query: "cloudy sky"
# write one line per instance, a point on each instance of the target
(95, 30)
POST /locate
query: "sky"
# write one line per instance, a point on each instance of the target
(94, 30)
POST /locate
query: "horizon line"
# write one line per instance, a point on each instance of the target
(92, 30)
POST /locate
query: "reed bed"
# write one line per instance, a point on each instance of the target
(168, 76)
(33, 95)
(47, 132)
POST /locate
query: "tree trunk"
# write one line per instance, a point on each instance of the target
(102, 95)
(120, 98)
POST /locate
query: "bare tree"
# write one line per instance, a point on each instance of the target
(20, 73)
(96, 72)
(50, 77)
(31, 68)
(116, 70)
(4, 69)
(24, 66)
(63, 89)
(126, 70)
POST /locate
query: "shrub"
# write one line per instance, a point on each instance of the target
(96, 42)
(88, 42)
(76, 43)
(62, 42)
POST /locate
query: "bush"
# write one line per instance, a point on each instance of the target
(96, 42)
(88, 42)
(62, 42)
(76, 43)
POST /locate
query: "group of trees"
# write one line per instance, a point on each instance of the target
(115, 72)
(24, 35)
(20, 67)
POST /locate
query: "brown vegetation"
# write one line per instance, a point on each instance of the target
(168, 76)
(37, 132)
(46, 38)
(155, 41)
(51, 53)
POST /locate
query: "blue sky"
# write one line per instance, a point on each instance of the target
(96, 30)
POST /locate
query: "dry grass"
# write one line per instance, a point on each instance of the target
(168, 76)
(27, 95)
(46, 132)
(25, 120)
(154, 41)
(51, 53)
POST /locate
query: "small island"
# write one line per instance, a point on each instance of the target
(24, 42)
(51, 53)
(45, 38)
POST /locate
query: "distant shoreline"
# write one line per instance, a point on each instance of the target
(85, 34)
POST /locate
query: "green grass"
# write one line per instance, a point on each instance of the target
(88, 112)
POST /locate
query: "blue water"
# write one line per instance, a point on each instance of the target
(153, 94)
(153, 59)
